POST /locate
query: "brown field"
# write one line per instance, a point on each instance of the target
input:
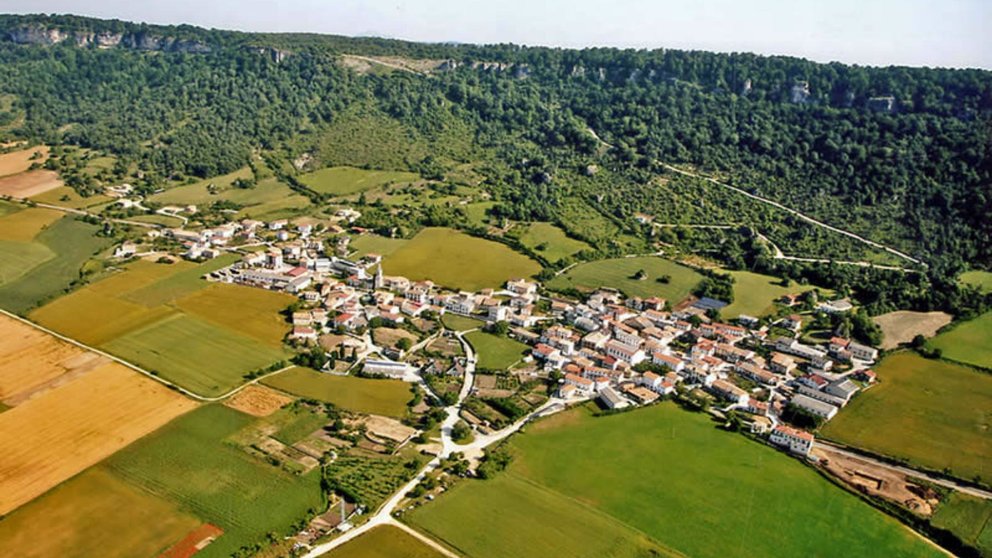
(49, 358)
(258, 401)
(902, 326)
(29, 183)
(194, 542)
(19, 161)
(51, 438)
(24, 225)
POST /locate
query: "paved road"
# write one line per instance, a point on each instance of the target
(977, 492)
(801, 215)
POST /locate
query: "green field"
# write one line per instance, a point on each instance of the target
(494, 352)
(96, 514)
(969, 342)
(671, 476)
(209, 360)
(551, 242)
(618, 273)
(457, 322)
(375, 244)
(269, 196)
(457, 260)
(344, 181)
(969, 518)
(980, 279)
(933, 413)
(755, 294)
(72, 242)
(18, 258)
(385, 541)
(189, 462)
(361, 395)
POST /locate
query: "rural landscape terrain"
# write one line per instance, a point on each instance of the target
(267, 295)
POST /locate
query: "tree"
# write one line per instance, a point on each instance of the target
(404, 344)
(460, 432)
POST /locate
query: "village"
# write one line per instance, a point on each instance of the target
(620, 351)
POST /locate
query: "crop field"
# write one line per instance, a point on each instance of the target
(24, 225)
(551, 242)
(902, 326)
(344, 181)
(73, 243)
(94, 514)
(375, 244)
(618, 273)
(248, 311)
(189, 463)
(31, 183)
(205, 358)
(258, 401)
(457, 260)
(980, 279)
(496, 353)
(933, 413)
(360, 395)
(969, 342)
(165, 318)
(969, 518)
(18, 258)
(49, 360)
(19, 161)
(700, 492)
(48, 439)
(384, 541)
(457, 322)
(755, 294)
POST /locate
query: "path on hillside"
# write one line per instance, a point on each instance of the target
(139, 369)
(384, 515)
(85, 213)
(799, 214)
(854, 453)
(384, 63)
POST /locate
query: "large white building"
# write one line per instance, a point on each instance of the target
(797, 441)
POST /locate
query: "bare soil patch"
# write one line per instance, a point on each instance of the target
(873, 480)
(388, 428)
(258, 401)
(194, 542)
(31, 183)
(30, 358)
(19, 161)
(51, 438)
(902, 326)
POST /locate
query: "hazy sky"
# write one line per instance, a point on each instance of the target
(879, 32)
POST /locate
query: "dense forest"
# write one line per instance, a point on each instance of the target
(899, 155)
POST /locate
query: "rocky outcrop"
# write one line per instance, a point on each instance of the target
(38, 35)
(277, 55)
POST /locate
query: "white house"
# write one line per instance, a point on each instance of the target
(797, 441)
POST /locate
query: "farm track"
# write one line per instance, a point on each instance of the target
(139, 369)
(85, 213)
(798, 214)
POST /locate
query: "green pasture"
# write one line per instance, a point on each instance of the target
(361, 395)
(618, 273)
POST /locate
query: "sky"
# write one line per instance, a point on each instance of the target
(947, 33)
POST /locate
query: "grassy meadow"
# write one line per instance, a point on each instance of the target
(969, 342)
(361, 395)
(932, 413)
(457, 322)
(375, 244)
(551, 242)
(189, 463)
(657, 477)
(495, 352)
(268, 197)
(29, 279)
(618, 273)
(94, 514)
(980, 279)
(755, 294)
(164, 317)
(344, 181)
(457, 260)
(969, 518)
(384, 541)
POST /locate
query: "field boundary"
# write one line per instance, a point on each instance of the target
(139, 369)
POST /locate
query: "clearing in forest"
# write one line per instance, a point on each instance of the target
(902, 326)
(662, 278)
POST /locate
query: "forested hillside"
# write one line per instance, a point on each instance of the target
(898, 155)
